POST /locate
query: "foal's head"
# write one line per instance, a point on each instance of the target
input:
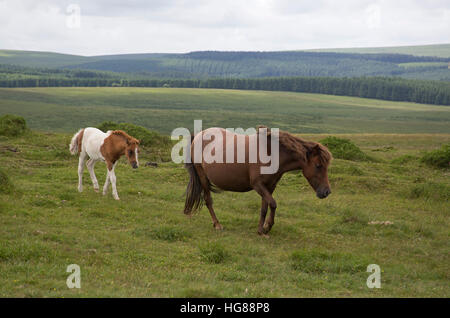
(131, 151)
(315, 168)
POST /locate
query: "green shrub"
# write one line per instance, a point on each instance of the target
(12, 125)
(345, 149)
(6, 185)
(439, 158)
(146, 137)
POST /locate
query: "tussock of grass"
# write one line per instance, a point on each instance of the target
(316, 262)
(428, 190)
(439, 158)
(6, 185)
(213, 253)
(345, 149)
(350, 223)
(403, 159)
(165, 233)
(12, 125)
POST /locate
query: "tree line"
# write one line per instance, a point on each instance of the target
(386, 88)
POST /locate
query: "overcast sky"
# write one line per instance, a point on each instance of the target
(139, 26)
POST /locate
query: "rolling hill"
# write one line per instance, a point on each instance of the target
(207, 64)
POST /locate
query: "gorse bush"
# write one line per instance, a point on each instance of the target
(439, 158)
(146, 137)
(12, 125)
(345, 149)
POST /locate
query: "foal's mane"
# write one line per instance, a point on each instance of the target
(128, 138)
(300, 147)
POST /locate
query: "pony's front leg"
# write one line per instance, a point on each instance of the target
(81, 160)
(266, 196)
(112, 178)
(105, 187)
(90, 165)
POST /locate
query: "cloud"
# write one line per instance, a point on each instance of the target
(136, 26)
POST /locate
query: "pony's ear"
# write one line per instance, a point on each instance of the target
(313, 150)
(138, 141)
(263, 127)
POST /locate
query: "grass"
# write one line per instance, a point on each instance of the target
(163, 109)
(144, 246)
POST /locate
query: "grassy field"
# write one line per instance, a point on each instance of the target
(163, 109)
(144, 246)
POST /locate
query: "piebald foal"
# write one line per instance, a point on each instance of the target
(108, 147)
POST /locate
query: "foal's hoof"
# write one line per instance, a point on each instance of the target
(218, 226)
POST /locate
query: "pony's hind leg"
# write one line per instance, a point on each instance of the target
(90, 165)
(81, 160)
(208, 199)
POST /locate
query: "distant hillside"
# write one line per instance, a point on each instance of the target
(439, 50)
(40, 59)
(214, 64)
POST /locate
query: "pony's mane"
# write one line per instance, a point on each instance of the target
(299, 146)
(130, 139)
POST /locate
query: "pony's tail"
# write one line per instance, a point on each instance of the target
(194, 191)
(75, 143)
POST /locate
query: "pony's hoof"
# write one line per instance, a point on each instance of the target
(117, 199)
(80, 189)
(218, 226)
(96, 190)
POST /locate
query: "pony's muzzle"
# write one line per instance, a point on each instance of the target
(323, 193)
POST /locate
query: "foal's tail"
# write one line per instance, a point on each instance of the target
(75, 143)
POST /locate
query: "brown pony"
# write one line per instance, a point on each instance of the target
(100, 146)
(294, 154)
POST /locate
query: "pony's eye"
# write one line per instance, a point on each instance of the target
(318, 166)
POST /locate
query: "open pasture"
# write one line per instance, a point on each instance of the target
(163, 109)
(144, 246)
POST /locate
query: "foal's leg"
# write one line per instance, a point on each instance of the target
(105, 187)
(270, 201)
(208, 199)
(112, 177)
(81, 160)
(90, 165)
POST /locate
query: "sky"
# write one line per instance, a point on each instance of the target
(89, 27)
